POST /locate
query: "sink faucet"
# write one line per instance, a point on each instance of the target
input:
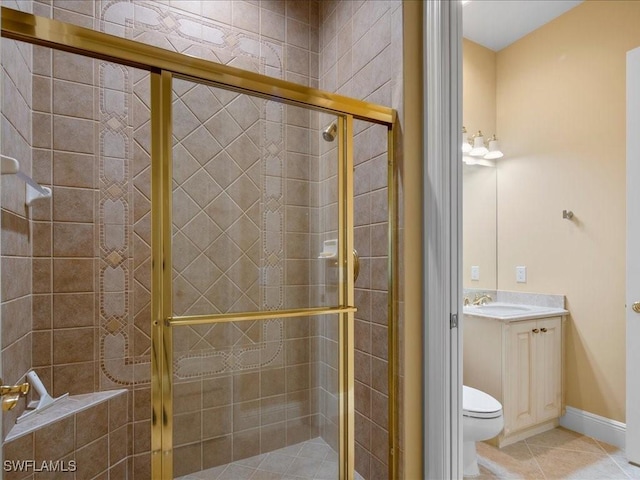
(482, 299)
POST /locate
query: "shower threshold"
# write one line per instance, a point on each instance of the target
(310, 460)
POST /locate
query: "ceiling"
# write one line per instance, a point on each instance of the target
(495, 24)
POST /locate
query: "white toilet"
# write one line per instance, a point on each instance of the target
(481, 420)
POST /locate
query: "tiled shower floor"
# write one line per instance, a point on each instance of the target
(310, 460)
(556, 454)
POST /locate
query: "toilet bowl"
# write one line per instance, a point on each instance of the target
(481, 420)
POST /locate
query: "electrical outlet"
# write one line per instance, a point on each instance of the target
(475, 272)
(521, 274)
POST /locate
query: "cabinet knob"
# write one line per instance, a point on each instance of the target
(543, 330)
(535, 330)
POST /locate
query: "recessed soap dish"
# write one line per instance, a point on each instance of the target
(329, 249)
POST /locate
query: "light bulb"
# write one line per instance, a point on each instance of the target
(494, 150)
(466, 146)
(478, 150)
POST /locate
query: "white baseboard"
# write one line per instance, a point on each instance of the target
(600, 428)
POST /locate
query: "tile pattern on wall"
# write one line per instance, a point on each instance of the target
(114, 188)
(174, 24)
(226, 418)
(327, 281)
(16, 295)
(120, 200)
(199, 199)
(360, 56)
(252, 272)
(119, 300)
(64, 114)
(90, 444)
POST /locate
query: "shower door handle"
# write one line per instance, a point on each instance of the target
(356, 265)
(12, 394)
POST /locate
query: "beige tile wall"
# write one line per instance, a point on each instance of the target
(246, 246)
(16, 242)
(287, 37)
(360, 56)
(64, 330)
(68, 141)
(96, 440)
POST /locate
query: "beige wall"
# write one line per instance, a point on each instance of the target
(478, 88)
(561, 117)
(410, 277)
(479, 182)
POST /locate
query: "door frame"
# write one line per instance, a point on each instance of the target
(633, 258)
(442, 227)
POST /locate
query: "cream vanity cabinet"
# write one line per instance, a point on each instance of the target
(520, 364)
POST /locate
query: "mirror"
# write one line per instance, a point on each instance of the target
(479, 180)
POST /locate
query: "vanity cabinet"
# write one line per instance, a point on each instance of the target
(520, 364)
(533, 373)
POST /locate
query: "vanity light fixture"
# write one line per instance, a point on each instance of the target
(494, 149)
(466, 146)
(477, 147)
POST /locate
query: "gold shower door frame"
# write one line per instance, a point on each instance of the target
(162, 305)
(163, 66)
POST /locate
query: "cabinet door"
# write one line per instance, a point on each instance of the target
(548, 368)
(520, 401)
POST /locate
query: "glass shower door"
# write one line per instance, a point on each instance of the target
(259, 373)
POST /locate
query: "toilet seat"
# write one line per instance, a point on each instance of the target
(478, 404)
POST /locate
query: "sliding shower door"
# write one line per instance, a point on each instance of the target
(257, 291)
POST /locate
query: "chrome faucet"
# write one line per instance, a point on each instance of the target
(482, 299)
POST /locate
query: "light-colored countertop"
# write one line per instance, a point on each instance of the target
(511, 312)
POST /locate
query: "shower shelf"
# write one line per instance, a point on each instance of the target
(329, 249)
(34, 191)
(70, 405)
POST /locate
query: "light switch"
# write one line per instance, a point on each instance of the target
(521, 274)
(475, 272)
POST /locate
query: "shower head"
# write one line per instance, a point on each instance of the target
(329, 133)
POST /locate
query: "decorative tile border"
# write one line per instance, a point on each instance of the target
(124, 293)
(211, 362)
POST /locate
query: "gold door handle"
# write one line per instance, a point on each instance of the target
(543, 330)
(12, 394)
(535, 330)
(636, 307)
(356, 265)
(21, 389)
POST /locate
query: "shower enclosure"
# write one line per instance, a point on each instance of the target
(242, 230)
(256, 303)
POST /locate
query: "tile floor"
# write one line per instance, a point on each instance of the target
(556, 454)
(310, 460)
